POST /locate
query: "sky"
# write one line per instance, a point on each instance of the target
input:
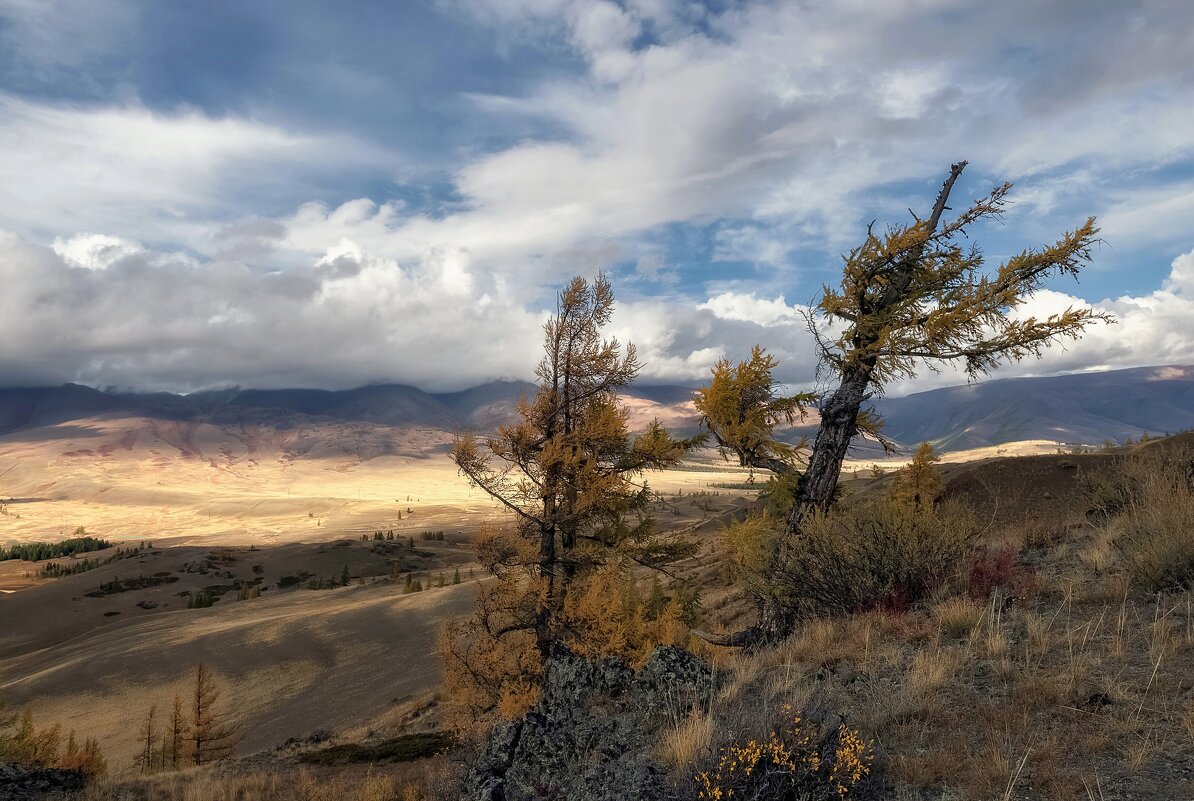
(282, 193)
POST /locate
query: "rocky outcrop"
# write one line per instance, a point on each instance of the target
(590, 735)
(40, 784)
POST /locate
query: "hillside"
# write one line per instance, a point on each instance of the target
(283, 465)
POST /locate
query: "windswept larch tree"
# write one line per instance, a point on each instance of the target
(914, 295)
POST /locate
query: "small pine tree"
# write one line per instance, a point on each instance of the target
(344, 577)
(439, 580)
(456, 576)
(919, 483)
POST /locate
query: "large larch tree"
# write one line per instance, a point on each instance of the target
(913, 295)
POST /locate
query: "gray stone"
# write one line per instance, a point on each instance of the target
(38, 784)
(590, 735)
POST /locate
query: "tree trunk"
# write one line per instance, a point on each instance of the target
(816, 488)
(547, 575)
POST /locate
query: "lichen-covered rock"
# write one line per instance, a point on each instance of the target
(589, 736)
(38, 784)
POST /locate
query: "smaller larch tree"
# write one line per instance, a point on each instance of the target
(213, 735)
(174, 739)
(147, 759)
(569, 473)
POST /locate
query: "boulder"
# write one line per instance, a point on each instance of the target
(38, 784)
(590, 735)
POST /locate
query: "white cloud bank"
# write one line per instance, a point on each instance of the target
(151, 320)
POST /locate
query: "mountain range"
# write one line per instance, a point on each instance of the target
(1081, 408)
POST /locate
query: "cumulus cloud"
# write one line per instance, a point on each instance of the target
(794, 111)
(95, 251)
(150, 321)
(348, 317)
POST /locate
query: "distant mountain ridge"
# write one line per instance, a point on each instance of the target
(1080, 408)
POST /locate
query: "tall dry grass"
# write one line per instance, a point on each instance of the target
(1147, 506)
(435, 781)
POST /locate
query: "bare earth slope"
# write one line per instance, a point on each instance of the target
(293, 660)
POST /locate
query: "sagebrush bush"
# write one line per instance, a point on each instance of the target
(799, 759)
(883, 555)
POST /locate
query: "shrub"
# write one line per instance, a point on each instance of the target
(748, 544)
(608, 616)
(1157, 538)
(22, 743)
(957, 617)
(883, 555)
(1002, 569)
(800, 759)
(202, 599)
(492, 668)
(1138, 480)
(1148, 505)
